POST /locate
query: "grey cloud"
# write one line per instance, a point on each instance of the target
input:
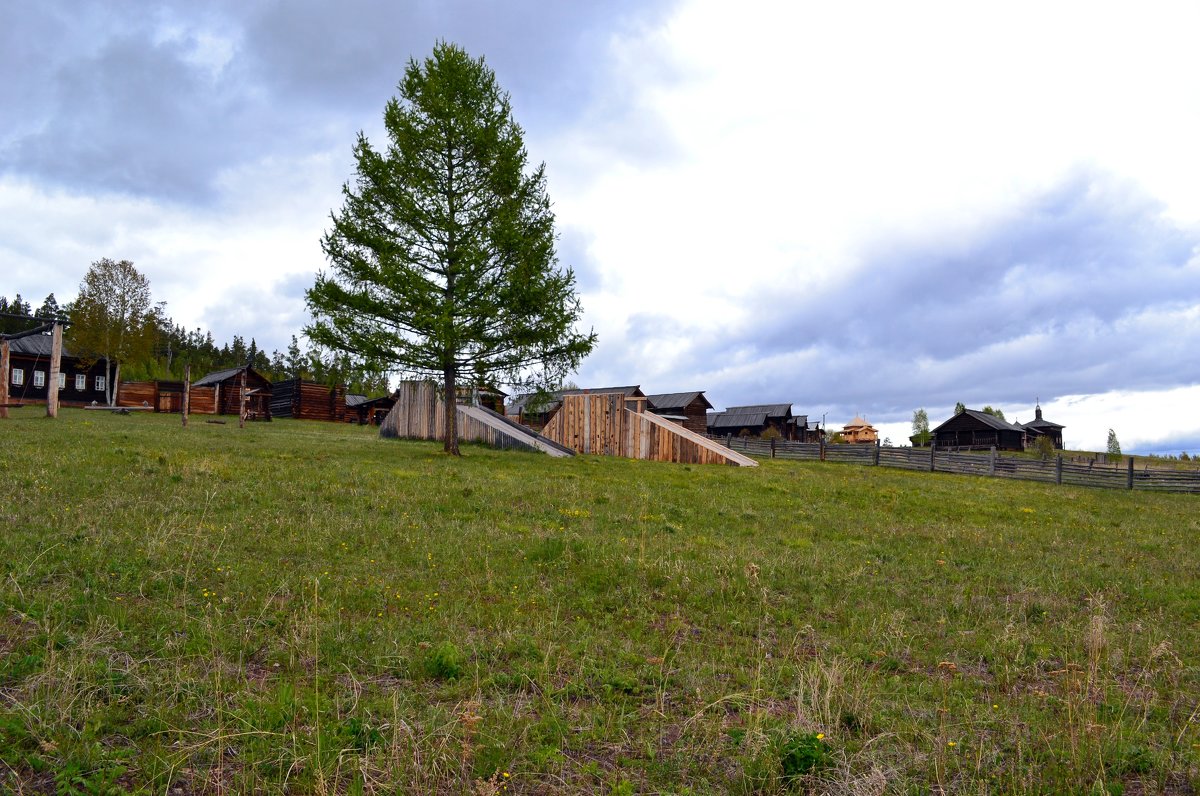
(1072, 294)
(108, 103)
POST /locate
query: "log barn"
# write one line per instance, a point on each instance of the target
(227, 393)
(688, 409)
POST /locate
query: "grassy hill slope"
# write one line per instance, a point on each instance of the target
(304, 607)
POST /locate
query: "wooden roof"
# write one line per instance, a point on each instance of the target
(218, 376)
(731, 419)
(772, 410)
(664, 402)
(991, 421)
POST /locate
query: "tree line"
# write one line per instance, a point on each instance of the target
(113, 318)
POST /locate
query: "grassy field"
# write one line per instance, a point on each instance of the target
(303, 607)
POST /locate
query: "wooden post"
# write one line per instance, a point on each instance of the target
(772, 447)
(3, 379)
(1058, 470)
(1129, 474)
(932, 450)
(55, 369)
(187, 391)
(876, 462)
(821, 449)
(992, 462)
(245, 398)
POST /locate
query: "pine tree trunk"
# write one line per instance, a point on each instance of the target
(451, 442)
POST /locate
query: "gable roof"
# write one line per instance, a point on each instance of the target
(675, 400)
(218, 376)
(731, 419)
(1041, 425)
(36, 345)
(991, 421)
(634, 390)
(772, 410)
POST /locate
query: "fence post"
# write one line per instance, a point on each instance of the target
(822, 448)
(992, 462)
(876, 462)
(772, 447)
(1058, 470)
(932, 450)
(1129, 474)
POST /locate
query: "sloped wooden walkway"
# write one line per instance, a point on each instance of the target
(600, 423)
(420, 413)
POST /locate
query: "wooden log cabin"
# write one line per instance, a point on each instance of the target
(972, 429)
(688, 409)
(859, 431)
(308, 400)
(80, 382)
(227, 394)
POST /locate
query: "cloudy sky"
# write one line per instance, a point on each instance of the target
(857, 207)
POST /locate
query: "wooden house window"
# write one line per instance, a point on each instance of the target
(62, 380)
(39, 378)
(100, 383)
(81, 381)
(18, 376)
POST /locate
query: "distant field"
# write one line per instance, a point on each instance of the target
(302, 607)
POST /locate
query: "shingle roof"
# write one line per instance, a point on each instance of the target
(35, 345)
(1041, 425)
(354, 399)
(731, 419)
(772, 410)
(217, 376)
(988, 420)
(675, 400)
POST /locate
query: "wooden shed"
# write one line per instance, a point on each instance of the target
(308, 400)
(688, 409)
(162, 396)
(972, 429)
(227, 393)
(363, 410)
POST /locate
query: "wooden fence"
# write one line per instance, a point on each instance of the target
(1122, 475)
(420, 413)
(601, 423)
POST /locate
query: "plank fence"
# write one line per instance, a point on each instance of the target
(1121, 475)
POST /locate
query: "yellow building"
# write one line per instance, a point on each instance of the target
(859, 430)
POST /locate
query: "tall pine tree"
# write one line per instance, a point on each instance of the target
(442, 258)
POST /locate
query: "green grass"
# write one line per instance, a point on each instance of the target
(302, 607)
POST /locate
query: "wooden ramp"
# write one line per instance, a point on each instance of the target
(420, 413)
(601, 423)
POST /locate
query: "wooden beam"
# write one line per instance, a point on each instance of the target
(3, 379)
(187, 391)
(242, 408)
(55, 369)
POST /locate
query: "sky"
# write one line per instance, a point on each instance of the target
(861, 208)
